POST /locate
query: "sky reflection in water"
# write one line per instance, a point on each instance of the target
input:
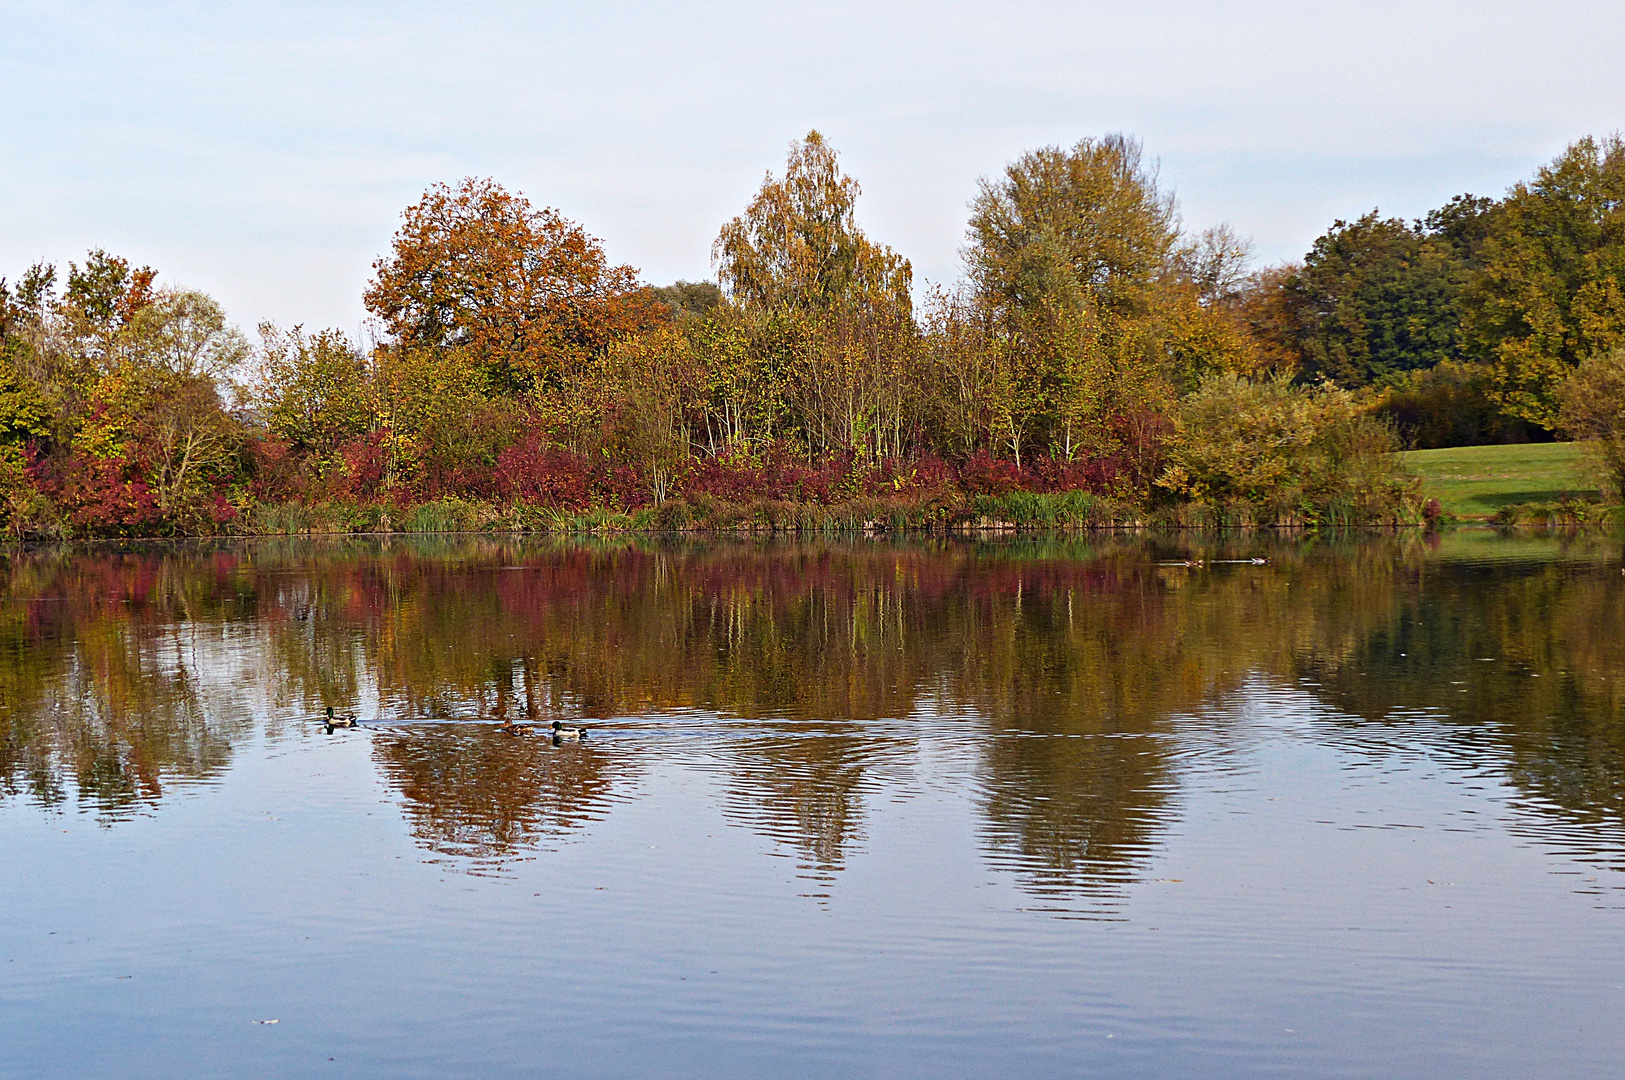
(1017, 808)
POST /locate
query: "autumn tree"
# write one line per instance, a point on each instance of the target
(102, 299)
(960, 349)
(1106, 313)
(26, 416)
(1591, 404)
(654, 381)
(526, 293)
(116, 385)
(1215, 261)
(1269, 308)
(830, 311)
(798, 245)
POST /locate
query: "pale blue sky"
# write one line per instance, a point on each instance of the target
(264, 152)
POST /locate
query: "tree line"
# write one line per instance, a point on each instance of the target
(1094, 346)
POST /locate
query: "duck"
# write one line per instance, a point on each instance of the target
(567, 734)
(339, 721)
(508, 727)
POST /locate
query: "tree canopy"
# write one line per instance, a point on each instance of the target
(1073, 228)
(1548, 294)
(798, 246)
(1378, 297)
(526, 292)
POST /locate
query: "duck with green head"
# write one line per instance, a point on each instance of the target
(347, 721)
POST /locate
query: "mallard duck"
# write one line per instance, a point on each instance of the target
(567, 734)
(339, 721)
(508, 727)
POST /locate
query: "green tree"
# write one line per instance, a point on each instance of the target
(696, 298)
(1105, 311)
(25, 414)
(1073, 228)
(1377, 297)
(740, 395)
(315, 391)
(26, 418)
(1463, 224)
(190, 442)
(1549, 292)
(183, 332)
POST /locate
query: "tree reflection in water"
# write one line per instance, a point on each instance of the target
(1521, 656)
(1066, 669)
(474, 794)
(805, 788)
(113, 678)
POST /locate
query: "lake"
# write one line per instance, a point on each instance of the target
(1025, 807)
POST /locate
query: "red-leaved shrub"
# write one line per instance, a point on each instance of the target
(103, 497)
(543, 476)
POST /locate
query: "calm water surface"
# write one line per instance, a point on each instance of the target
(1030, 808)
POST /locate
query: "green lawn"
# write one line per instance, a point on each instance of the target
(1477, 481)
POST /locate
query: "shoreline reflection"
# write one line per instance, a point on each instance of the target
(1067, 669)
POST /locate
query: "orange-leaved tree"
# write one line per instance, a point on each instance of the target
(528, 294)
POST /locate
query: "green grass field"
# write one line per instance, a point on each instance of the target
(1476, 481)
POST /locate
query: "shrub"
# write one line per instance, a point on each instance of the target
(982, 474)
(673, 515)
(776, 473)
(1291, 455)
(542, 476)
(447, 515)
(1450, 405)
(24, 508)
(104, 497)
(1592, 408)
(363, 474)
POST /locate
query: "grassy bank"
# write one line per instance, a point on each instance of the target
(939, 512)
(1478, 483)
